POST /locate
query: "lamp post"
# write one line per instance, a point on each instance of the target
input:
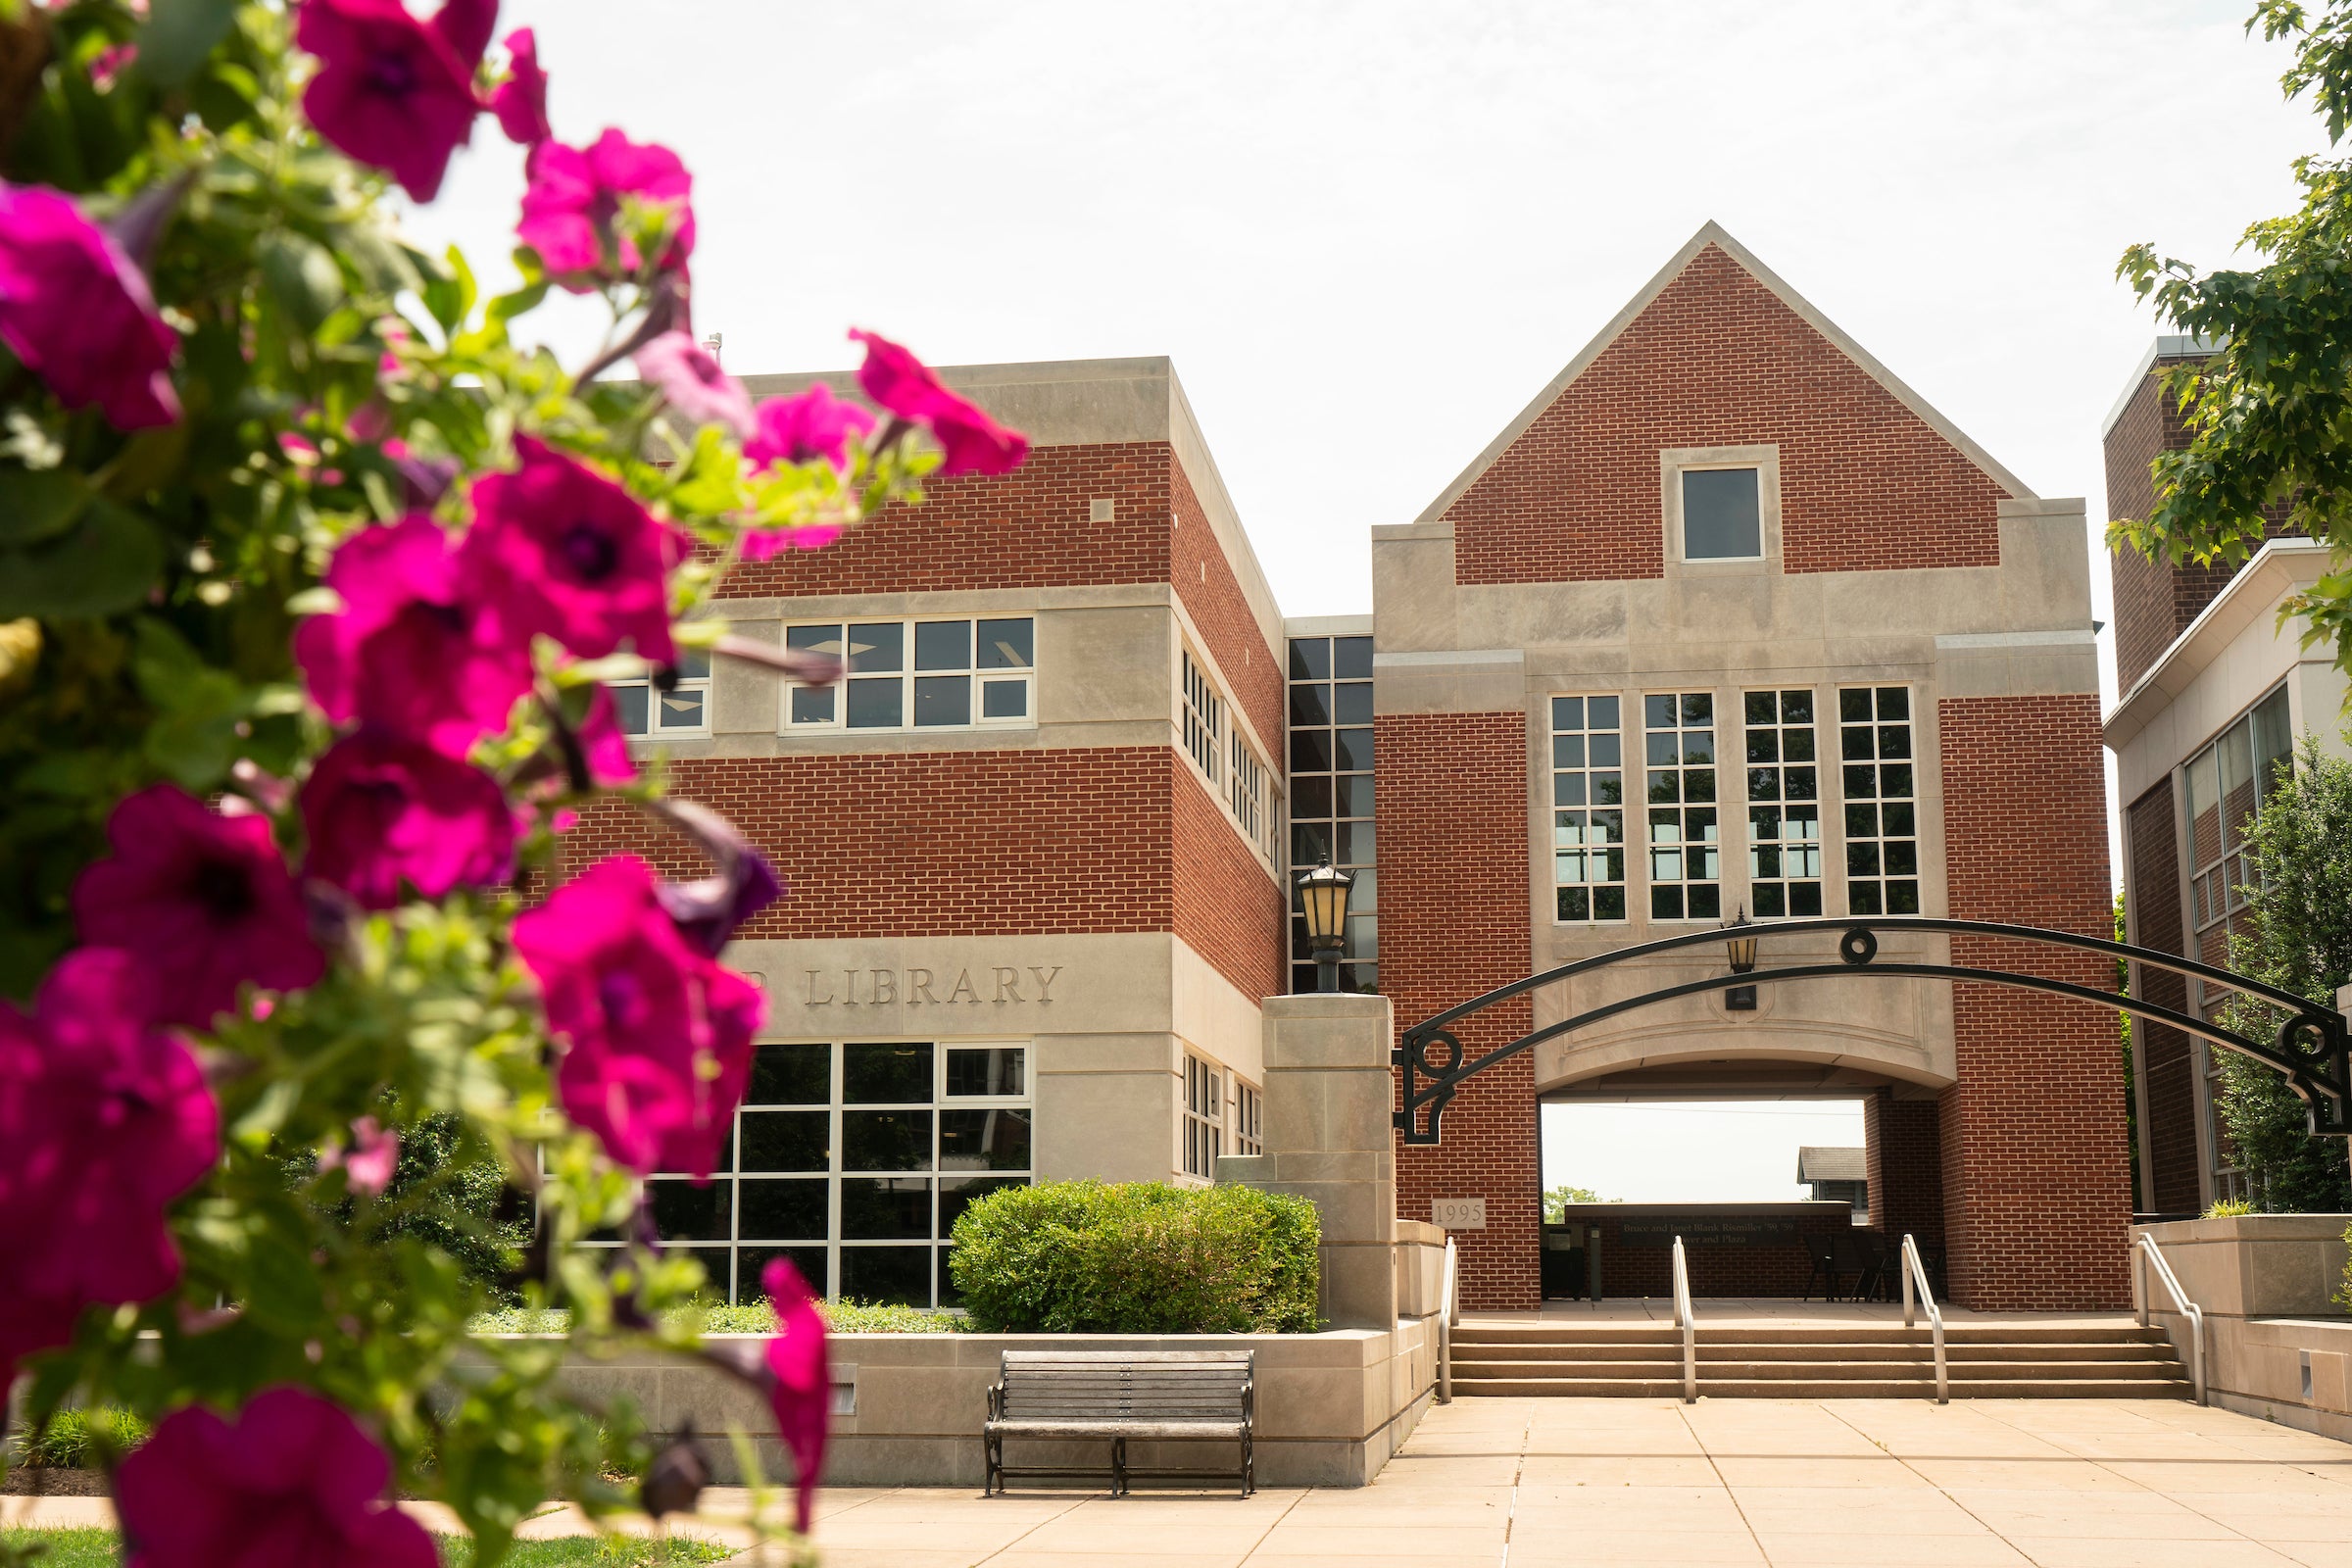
(1323, 900)
(1740, 944)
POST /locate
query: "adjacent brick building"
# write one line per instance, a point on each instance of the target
(1728, 620)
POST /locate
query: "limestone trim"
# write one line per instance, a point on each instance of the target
(1713, 234)
(1675, 461)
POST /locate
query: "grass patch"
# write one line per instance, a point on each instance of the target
(94, 1547)
(841, 1317)
(75, 1439)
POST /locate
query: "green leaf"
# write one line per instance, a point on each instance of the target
(301, 276)
(104, 564)
(177, 36)
(194, 737)
(451, 297)
(37, 504)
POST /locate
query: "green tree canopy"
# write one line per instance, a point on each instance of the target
(2298, 938)
(2270, 413)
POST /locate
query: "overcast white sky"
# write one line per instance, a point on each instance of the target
(1368, 233)
(1692, 1154)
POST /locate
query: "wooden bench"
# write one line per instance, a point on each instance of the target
(1153, 1395)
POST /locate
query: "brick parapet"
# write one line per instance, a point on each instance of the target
(2035, 1175)
(1717, 359)
(1453, 888)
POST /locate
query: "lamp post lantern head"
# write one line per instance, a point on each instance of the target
(1740, 944)
(1323, 900)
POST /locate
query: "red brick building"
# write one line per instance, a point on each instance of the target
(1727, 620)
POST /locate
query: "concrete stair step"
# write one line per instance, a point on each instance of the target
(1854, 1389)
(1810, 1334)
(2132, 1352)
(1712, 1373)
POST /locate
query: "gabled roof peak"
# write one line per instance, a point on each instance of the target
(1715, 235)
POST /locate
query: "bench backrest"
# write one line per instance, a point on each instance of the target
(1147, 1384)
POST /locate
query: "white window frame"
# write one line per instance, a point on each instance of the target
(1200, 1119)
(1683, 846)
(1583, 847)
(1249, 1105)
(1795, 850)
(1879, 800)
(1222, 756)
(1682, 511)
(687, 658)
(839, 723)
(1201, 704)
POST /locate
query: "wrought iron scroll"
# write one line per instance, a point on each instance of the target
(2311, 1051)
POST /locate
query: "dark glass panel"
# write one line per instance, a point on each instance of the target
(1665, 904)
(1310, 751)
(1853, 704)
(1607, 748)
(885, 1074)
(1567, 751)
(792, 1075)
(1758, 707)
(987, 1070)
(1763, 746)
(685, 1212)
(1311, 843)
(1567, 713)
(1354, 846)
(1862, 822)
(1706, 901)
(959, 1193)
(1699, 784)
(1310, 658)
(1600, 712)
(1894, 702)
(1567, 789)
(1800, 784)
(788, 1210)
(1609, 904)
(815, 639)
(1354, 795)
(1354, 751)
(633, 705)
(1771, 901)
(1861, 860)
(1861, 783)
(1903, 898)
(1657, 712)
(1722, 516)
(891, 1276)
(1310, 797)
(1366, 893)
(1351, 657)
(886, 1211)
(1895, 781)
(1007, 644)
(984, 1139)
(942, 645)
(1661, 748)
(1310, 704)
(941, 699)
(1902, 858)
(1003, 699)
(1698, 746)
(1352, 703)
(1698, 707)
(1854, 745)
(813, 705)
(1796, 707)
(1899, 820)
(786, 1140)
(876, 704)
(1863, 898)
(1894, 740)
(1796, 745)
(886, 1140)
(1805, 898)
(876, 648)
(1575, 903)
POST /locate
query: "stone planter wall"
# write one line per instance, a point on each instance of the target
(2277, 1345)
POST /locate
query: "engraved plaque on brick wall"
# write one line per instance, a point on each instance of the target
(1458, 1213)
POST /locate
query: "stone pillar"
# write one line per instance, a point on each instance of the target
(1329, 1137)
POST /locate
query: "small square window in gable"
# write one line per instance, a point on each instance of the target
(1723, 518)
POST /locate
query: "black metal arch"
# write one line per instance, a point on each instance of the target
(2310, 1052)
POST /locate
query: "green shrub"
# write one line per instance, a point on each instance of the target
(2229, 1208)
(78, 1440)
(841, 1317)
(1138, 1258)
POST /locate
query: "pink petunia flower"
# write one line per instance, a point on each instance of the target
(110, 63)
(205, 900)
(391, 90)
(806, 426)
(104, 1120)
(521, 101)
(802, 1393)
(574, 202)
(411, 651)
(558, 548)
(905, 385)
(293, 1479)
(657, 1035)
(761, 543)
(604, 742)
(78, 311)
(467, 26)
(385, 815)
(368, 1165)
(684, 373)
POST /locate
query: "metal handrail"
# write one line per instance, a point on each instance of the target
(1450, 1313)
(1689, 1322)
(2146, 1252)
(1915, 1276)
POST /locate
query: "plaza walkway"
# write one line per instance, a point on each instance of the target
(1793, 1484)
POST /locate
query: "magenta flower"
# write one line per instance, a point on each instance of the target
(657, 1034)
(800, 1395)
(78, 311)
(605, 744)
(906, 386)
(104, 1120)
(206, 902)
(574, 202)
(111, 62)
(411, 651)
(521, 101)
(387, 815)
(391, 91)
(292, 1480)
(806, 426)
(558, 548)
(467, 26)
(368, 1165)
(689, 377)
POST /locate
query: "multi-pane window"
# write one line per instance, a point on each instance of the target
(1685, 861)
(646, 710)
(1331, 796)
(1722, 520)
(964, 673)
(1246, 797)
(2226, 786)
(1203, 1117)
(1248, 1107)
(1204, 717)
(854, 1160)
(1881, 815)
(1588, 808)
(1783, 805)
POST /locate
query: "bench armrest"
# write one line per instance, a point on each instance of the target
(1250, 1399)
(996, 1402)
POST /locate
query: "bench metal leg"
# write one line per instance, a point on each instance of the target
(1248, 1463)
(1118, 1467)
(992, 1450)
